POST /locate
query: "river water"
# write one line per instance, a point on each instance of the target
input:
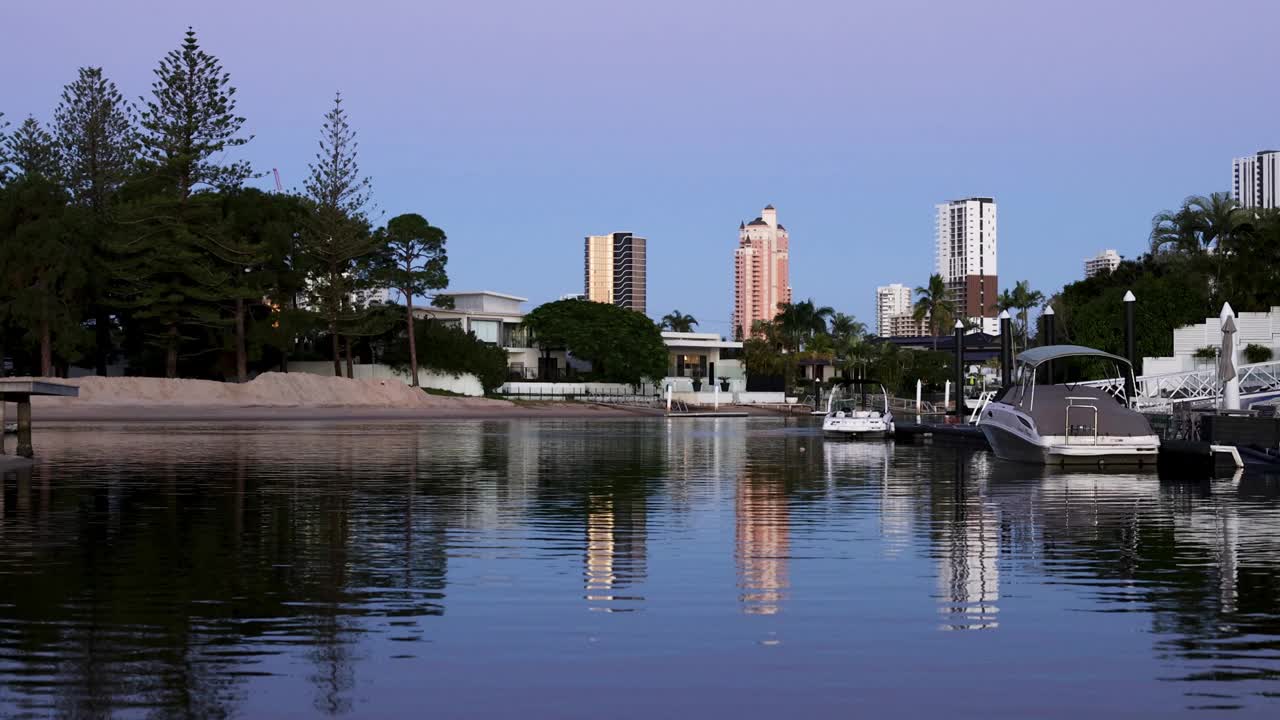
(570, 569)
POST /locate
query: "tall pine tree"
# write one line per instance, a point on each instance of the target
(98, 140)
(181, 276)
(337, 241)
(43, 266)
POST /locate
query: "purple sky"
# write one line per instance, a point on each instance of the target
(519, 127)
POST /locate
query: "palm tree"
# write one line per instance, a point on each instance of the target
(676, 321)
(801, 321)
(846, 326)
(1024, 298)
(1175, 231)
(933, 302)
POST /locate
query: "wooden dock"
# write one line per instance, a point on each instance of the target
(21, 392)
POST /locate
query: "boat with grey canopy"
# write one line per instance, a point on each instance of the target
(1068, 423)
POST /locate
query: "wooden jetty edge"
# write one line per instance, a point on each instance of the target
(21, 392)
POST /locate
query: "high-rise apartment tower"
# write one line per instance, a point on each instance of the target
(615, 271)
(760, 271)
(1104, 262)
(965, 257)
(891, 300)
(1255, 180)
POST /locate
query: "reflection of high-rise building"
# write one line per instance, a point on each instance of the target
(761, 276)
(762, 533)
(615, 270)
(965, 257)
(968, 569)
(616, 557)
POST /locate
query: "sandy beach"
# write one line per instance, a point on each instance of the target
(294, 397)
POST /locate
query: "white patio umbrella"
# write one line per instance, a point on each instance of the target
(1227, 379)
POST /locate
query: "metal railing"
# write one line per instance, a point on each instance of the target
(1165, 391)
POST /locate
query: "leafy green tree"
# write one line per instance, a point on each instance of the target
(177, 271)
(622, 345)
(258, 236)
(1171, 292)
(413, 263)
(448, 349)
(676, 321)
(98, 143)
(933, 301)
(337, 240)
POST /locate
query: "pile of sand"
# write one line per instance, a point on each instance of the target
(267, 390)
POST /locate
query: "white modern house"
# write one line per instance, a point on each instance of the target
(496, 318)
(703, 356)
(1255, 328)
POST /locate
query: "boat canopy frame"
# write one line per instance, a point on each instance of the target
(1029, 360)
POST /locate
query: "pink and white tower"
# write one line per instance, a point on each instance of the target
(760, 271)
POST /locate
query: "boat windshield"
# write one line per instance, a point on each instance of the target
(868, 398)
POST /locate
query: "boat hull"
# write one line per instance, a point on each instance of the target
(1018, 441)
(869, 428)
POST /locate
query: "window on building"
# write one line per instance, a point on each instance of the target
(486, 330)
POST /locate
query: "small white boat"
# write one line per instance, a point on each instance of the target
(1068, 424)
(860, 416)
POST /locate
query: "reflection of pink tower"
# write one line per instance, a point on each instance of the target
(763, 542)
(761, 276)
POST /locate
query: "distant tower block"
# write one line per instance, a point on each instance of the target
(761, 272)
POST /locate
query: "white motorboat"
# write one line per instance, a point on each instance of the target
(1068, 423)
(860, 416)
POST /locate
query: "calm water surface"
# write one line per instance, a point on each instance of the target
(718, 568)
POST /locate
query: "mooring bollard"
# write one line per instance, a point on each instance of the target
(1130, 344)
(1050, 338)
(1006, 349)
(959, 371)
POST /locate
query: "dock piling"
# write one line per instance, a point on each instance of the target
(25, 448)
(1130, 344)
(1006, 349)
(959, 371)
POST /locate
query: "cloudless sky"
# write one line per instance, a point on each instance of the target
(520, 127)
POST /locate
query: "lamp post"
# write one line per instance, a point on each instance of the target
(1047, 319)
(959, 332)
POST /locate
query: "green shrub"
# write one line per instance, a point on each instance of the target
(447, 349)
(1254, 353)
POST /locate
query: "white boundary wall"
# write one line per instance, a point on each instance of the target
(463, 384)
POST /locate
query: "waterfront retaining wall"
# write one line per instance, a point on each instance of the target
(463, 384)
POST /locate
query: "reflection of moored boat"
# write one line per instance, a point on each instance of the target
(1067, 424)
(11, 427)
(861, 415)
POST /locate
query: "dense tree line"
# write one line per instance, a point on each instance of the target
(1206, 252)
(128, 235)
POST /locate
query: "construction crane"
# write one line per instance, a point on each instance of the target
(279, 187)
